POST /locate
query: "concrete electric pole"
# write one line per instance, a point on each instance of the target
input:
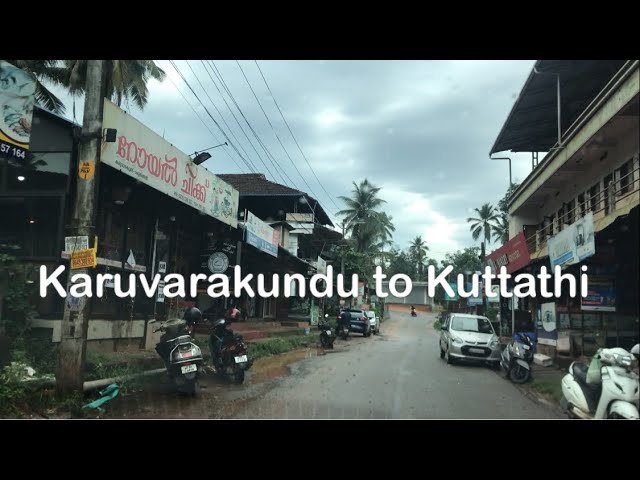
(70, 375)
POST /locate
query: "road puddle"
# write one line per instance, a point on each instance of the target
(269, 368)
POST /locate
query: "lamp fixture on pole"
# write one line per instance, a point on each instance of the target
(505, 158)
(202, 156)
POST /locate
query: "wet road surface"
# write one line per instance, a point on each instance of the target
(397, 375)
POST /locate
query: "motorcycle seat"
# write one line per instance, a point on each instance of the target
(579, 372)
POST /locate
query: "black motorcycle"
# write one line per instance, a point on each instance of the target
(182, 358)
(327, 337)
(229, 352)
(517, 358)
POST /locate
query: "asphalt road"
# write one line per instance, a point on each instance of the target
(397, 375)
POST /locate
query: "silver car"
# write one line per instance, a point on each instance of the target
(469, 337)
(374, 321)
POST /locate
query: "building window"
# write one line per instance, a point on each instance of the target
(33, 224)
(594, 197)
(561, 219)
(570, 211)
(39, 171)
(625, 177)
(609, 197)
(582, 206)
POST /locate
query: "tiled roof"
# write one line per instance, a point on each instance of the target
(255, 183)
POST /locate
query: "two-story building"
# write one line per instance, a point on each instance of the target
(295, 237)
(579, 205)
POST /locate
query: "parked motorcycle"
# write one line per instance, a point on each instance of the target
(342, 329)
(327, 337)
(607, 388)
(517, 358)
(228, 352)
(182, 358)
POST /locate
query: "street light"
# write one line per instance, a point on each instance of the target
(202, 156)
(505, 158)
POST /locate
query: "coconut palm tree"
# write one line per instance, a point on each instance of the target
(50, 72)
(361, 216)
(418, 252)
(501, 230)
(484, 223)
(126, 79)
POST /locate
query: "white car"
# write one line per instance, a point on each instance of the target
(374, 321)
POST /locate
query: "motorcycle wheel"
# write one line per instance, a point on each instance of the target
(519, 374)
(238, 377)
(324, 341)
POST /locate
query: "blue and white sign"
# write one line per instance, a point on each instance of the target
(261, 235)
(573, 244)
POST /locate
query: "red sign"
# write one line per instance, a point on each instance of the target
(514, 255)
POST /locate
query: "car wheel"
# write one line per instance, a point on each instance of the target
(448, 358)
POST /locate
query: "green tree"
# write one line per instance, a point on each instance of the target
(504, 201)
(462, 261)
(46, 71)
(126, 80)
(362, 218)
(501, 230)
(418, 253)
(484, 223)
(400, 262)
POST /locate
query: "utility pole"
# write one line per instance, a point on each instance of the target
(342, 256)
(484, 293)
(73, 341)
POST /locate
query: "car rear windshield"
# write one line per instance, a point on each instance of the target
(470, 324)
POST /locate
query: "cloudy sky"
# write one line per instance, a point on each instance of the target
(421, 130)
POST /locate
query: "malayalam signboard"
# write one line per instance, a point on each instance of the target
(601, 295)
(146, 156)
(513, 255)
(83, 259)
(573, 244)
(261, 235)
(17, 96)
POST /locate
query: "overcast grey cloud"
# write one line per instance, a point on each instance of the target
(420, 129)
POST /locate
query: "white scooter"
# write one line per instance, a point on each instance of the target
(612, 394)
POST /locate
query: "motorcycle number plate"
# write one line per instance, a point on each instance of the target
(328, 332)
(189, 368)
(241, 358)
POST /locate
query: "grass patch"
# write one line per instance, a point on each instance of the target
(437, 325)
(278, 345)
(547, 387)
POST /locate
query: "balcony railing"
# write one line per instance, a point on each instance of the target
(605, 202)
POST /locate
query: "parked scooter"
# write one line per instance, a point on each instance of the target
(327, 337)
(517, 358)
(228, 352)
(607, 388)
(182, 358)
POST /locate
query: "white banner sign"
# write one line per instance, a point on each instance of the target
(261, 235)
(573, 244)
(146, 156)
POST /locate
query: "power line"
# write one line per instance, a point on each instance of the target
(269, 154)
(274, 130)
(220, 113)
(235, 118)
(293, 136)
(208, 112)
(203, 122)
